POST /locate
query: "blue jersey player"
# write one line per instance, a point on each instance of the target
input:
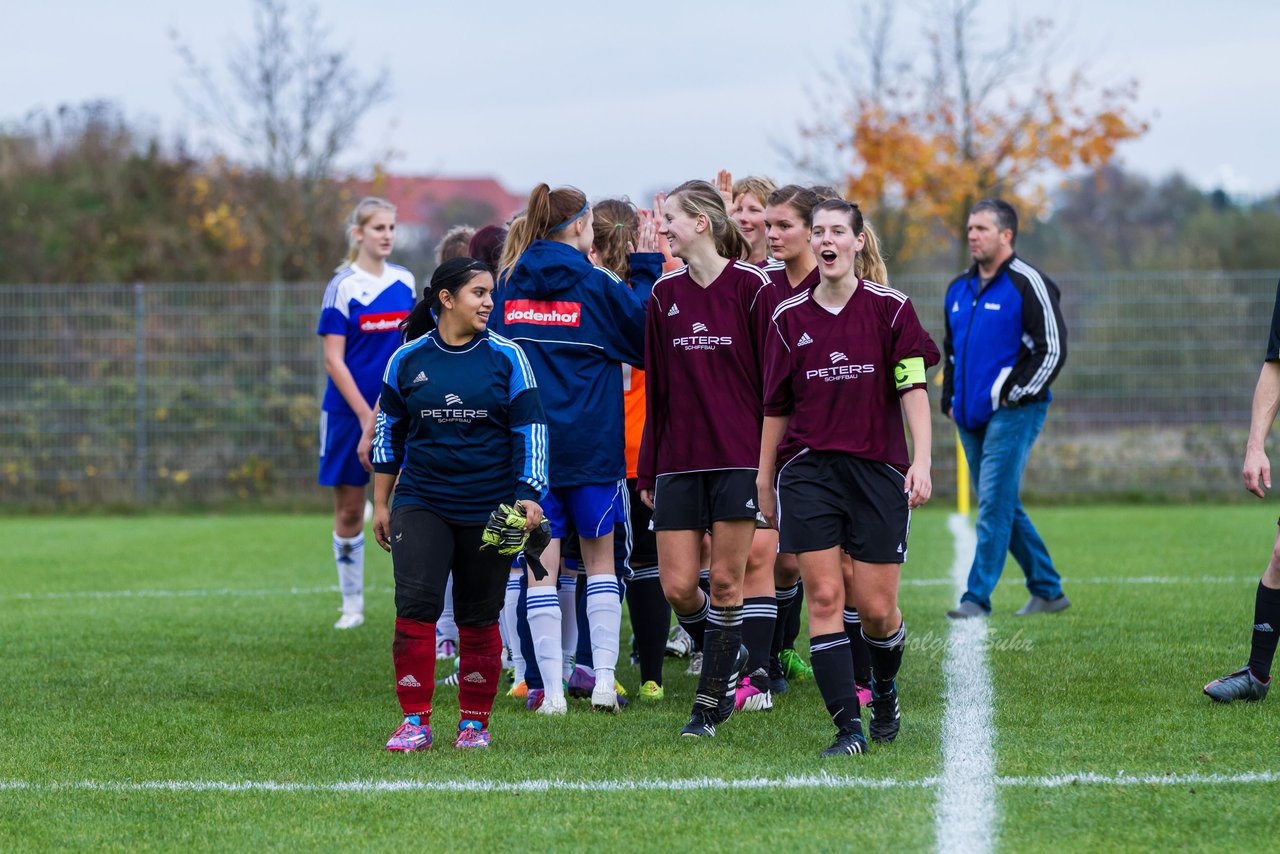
(462, 427)
(360, 323)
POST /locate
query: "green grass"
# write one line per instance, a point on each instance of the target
(130, 689)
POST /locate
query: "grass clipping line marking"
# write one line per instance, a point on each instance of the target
(966, 817)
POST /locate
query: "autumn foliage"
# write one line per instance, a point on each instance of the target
(921, 148)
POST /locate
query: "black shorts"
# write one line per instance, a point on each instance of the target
(644, 545)
(697, 500)
(829, 498)
(424, 548)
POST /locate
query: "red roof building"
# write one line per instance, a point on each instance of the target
(428, 207)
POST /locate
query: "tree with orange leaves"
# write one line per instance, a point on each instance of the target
(919, 147)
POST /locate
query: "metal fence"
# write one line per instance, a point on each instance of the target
(179, 395)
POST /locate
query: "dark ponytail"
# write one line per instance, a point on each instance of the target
(450, 276)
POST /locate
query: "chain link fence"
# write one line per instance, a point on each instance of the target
(179, 395)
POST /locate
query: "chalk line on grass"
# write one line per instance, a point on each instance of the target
(966, 819)
(803, 781)
(333, 588)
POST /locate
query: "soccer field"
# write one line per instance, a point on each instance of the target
(174, 682)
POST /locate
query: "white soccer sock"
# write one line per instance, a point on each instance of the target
(543, 610)
(568, 595)
(604, 614)
(510, 617)
(348, 554)
(445, 626)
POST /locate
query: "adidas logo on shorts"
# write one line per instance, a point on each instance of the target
(804, 339)
(474, 678)
(409, 682)
(751, 504)
(675, 309)
(1263, 627)
(420, 378)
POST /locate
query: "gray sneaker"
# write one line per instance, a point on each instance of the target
(1041, 605)
(968, 609)
(1241, 685)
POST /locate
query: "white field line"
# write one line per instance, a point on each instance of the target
(333, 588)
(181, 594)
(1119, 579)
(966, 819)
(805, 781)
(810, 781)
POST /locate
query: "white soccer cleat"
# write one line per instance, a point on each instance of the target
(349, 620)
(604, 698)
(679, 644)
(554, 706)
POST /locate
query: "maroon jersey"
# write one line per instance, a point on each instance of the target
(834, 374)
(702, 368)
(780, 286)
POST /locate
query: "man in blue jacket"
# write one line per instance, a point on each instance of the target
(1005, 343)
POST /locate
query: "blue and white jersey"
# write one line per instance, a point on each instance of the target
(367, 310)
(467, 424)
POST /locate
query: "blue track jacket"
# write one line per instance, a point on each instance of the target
(1006, 342)
(577, 323)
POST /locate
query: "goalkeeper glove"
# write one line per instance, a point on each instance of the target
(504, 531)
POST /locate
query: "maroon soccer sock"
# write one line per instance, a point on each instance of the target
(413, 650)
(479, 665)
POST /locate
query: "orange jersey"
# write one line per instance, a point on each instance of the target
(633, 413)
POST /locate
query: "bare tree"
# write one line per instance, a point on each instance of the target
(291, 109)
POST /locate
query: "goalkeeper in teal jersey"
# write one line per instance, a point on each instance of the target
(461, 424)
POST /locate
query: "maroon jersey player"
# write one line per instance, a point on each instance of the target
(845, 361)
(699, 457)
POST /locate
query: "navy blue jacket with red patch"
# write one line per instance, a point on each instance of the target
(577, 323)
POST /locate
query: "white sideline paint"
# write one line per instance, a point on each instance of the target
(966, 818)
(805, 781)
(809, 781)
(1123, 779)
(1119, 579)
(182, 594)
(333, 588)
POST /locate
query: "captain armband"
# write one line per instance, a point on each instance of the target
(908, 373)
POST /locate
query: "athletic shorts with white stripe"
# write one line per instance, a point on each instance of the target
(830, 498)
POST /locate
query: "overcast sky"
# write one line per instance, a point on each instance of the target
(625, 98)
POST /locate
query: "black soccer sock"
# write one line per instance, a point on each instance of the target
(696, 623)
(792, 630)
(720, 649)
(1266, 624)
(858, 648)
(650, 617)
(759, 615)
(886, 656)
(788, 598)
(833, 671)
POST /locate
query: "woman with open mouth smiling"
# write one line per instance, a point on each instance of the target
(843, 362)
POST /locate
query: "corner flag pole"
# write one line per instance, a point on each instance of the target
(962, 479)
